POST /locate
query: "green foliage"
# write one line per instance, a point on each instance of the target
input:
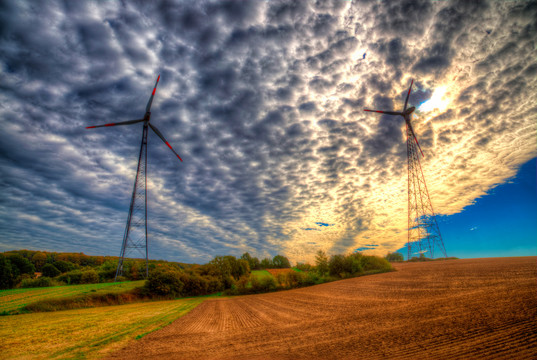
(50, 271)
(280, 262)
(6, 273)
(39, 259)
(321, 262)
(395, 256)
(253, 262)
(72, 277)
(370, 263)
(304, 267)
(165, 283)
(89, 277)
(42, 281)
(336, 265)
(20, 265)
(64, 266)
(266, 263)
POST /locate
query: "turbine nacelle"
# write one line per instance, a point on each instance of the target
(409, 111)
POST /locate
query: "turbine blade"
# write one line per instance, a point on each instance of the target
(408, 95)
(386, 112)
(148, 107)
(114, 124)
(416, 139)
(162, 138)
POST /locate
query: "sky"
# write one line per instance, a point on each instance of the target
(264, 100)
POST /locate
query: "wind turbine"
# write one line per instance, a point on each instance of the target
(135, 235)
(423, 230)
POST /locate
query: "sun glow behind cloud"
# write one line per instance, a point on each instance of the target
(438, 101)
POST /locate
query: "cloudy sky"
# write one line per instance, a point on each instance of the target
(264, 102)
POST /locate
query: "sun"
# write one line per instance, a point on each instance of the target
(438, 101)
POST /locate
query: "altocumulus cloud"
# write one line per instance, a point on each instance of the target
(263, 100)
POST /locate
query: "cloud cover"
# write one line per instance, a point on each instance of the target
(263, 100)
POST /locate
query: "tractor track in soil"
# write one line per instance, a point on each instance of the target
(455, 309)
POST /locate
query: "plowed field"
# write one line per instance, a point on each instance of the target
(456, 309)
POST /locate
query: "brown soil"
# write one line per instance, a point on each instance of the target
(456, 309)
(275, 272)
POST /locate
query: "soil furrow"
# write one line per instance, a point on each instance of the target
(456, 309)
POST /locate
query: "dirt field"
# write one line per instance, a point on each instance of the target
(457, 309)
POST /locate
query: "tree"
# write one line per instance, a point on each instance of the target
(39, 260)
(395, 256)
(6, 274)
(64, 266)
(280, 262)
(20, 265)
(321, 261)
(89, 277)
(50, 271)
(336, 265)
(266, 263)
(253, 262)
(165, 283)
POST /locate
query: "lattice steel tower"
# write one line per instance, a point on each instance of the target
(423, 231)
(135, 235)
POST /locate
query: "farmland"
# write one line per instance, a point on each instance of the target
(456, 309)
(13, 300)
(85, 333)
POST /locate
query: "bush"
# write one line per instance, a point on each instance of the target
(165, 283)
(42, 281)
(394, 257)
(265, 284)
(89, 277)
(375, 263)
(194, 285)
(336, 266)
(71, 277)
(50, 271)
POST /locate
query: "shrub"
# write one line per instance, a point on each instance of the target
(165, 283)
(89, 277)
(303, 267)
(282, 279)
(394, 257)
(194, 285)
(42, 281)
(265, 284)
(295, 279)
(71, 277)
(336, 265)
(375, 263)
(353, 264)
(50, 271)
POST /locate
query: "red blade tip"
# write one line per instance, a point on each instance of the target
(90, 127)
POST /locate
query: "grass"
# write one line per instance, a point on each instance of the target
(12, 301)
(261, 274)
(85, 333)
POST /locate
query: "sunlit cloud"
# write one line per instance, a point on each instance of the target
(263, 100)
